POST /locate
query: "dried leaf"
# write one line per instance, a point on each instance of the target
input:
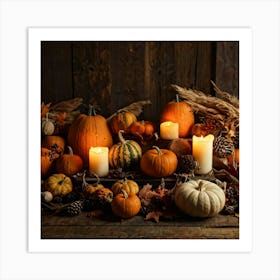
(45, 108)
(95, 213)
(153, 215)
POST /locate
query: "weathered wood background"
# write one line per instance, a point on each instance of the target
(116, 74)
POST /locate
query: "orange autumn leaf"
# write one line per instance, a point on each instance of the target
(45, 108)
(60, 118)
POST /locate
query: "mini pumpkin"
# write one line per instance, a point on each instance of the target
(125, 154)
(130, 186)
(125, 206)
(121, 121)
(54, 143)
(69, 164)
(179, 112)
(159, 163)
(89, 189)
(199, 198)
(58, 184)
(89, 131)
(47, 126)
(47, 161)
(143, 128)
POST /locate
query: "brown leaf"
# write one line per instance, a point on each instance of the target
(96, 213)
(153, 215)
(45, 108)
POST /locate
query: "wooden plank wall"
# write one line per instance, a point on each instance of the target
(115, 74)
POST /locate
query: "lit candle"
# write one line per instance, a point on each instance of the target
(169, 130)
(202, 149)
(99, 161)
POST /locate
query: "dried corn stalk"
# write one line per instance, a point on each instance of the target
(210, 107)
(136, 108)
(63, 112)
(226, 96)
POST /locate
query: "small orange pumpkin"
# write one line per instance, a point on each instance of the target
(69, 164)
(121, 121)
(54, 143)
(159, 163)
(234, 158)
(179, 112)
(143, 128)
(130, 186)
(90, 189)
(47, 161)
(125, 206)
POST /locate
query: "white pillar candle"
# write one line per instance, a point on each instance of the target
(99, 161)
(202, 149)
(169, 130)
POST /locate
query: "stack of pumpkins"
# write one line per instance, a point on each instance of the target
(196, 198)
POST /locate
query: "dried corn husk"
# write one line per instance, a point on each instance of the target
(62, 113)
(136, 108)
(226, 96)
(211, 107)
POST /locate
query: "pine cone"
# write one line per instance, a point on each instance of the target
(187, 164)
(236, 139)
(222, 147)
(73, 209)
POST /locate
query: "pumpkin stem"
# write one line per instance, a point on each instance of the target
(200, 185)
(125, 195)
(84, 184)
(97, 177)
(70, 151)
(177, 98)
(91, 111)
(47, 116)
(162, 184)
(158, 150)
(120, 135)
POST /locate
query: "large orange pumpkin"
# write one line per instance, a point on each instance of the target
(89, 131)
(179, 112)
(159, 163)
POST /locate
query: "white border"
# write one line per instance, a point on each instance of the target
(36, 35)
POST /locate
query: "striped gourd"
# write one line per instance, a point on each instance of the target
(121, 121)
(125, 154)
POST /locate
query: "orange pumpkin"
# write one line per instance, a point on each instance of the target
(89, 131)
(54, 143)
(159, 163)
(234, 158)
(47, 161)
(121, 121)
(130, 186)
(69, 164)
(90, 189)
(125, 206)
(143, 128)
(179, 112)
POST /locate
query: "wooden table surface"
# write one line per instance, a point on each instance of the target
(84, 226)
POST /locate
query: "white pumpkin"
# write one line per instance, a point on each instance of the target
(48, 126)
(199, 198)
